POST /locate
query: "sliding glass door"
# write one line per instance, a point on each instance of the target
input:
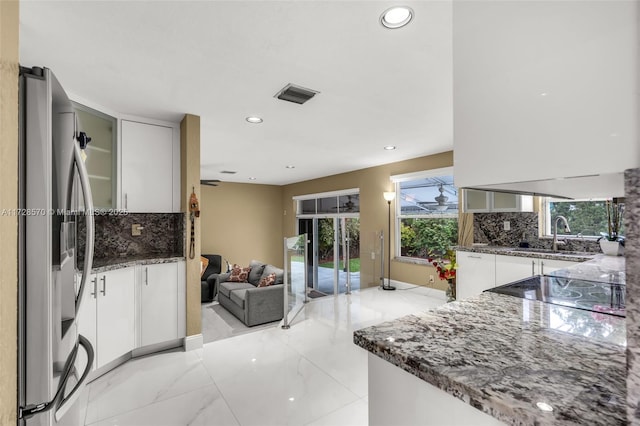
(334, 262)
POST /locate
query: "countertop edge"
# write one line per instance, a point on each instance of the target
(136, 262)
(511, 251)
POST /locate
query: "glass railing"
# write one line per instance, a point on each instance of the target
(295, 277)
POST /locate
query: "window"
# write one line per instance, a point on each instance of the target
(427, 209)
(586, 218)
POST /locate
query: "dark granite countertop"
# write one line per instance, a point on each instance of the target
(110, 264)
(572, 256)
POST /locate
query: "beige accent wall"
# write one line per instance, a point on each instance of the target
(242, 222)
(190, 181)
(8, 200)
(372, 182)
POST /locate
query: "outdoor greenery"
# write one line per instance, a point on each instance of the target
(427, 237)
(588, 218)
(325, 238)
(354, 265)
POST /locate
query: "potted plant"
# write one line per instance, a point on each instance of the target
(611, 242)
(446, 267)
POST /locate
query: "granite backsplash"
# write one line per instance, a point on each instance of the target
(488, 228)
(162, 235)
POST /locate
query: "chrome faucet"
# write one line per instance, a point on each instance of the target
(555, 232)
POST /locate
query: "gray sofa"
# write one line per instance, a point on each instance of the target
(250, 304)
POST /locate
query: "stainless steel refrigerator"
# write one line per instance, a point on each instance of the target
(54, 360)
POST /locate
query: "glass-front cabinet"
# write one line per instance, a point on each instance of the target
(477, 201)
(100, 154)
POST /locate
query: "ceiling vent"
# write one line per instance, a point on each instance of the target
(295, 94)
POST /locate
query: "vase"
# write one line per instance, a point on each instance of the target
(451, 290)
(611, 248)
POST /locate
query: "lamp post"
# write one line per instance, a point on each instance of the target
(389, 196)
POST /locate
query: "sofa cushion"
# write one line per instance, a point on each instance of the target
(257, 268)
(239, 274)
(267, 281)
(238, 296)
(204, 262)
(270, 269)
(227, 287)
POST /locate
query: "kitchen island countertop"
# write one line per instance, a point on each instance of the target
(502, 355)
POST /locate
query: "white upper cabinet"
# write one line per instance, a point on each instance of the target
(476, 201)
(544, 89)
(150, 169)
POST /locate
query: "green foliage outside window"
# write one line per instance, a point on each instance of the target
(427, 237)
(588, 218)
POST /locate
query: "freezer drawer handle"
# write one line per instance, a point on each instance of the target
(32, 409)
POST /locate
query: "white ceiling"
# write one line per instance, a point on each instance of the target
(225, 60)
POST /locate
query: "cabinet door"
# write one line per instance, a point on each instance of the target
(116, 315)
(547, 265)
(86, 317)
(511, 268)
(159, 303)
(476, 201)
(147, 167)
(476, 273)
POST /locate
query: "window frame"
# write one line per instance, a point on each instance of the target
(397, 180)
(546, 219)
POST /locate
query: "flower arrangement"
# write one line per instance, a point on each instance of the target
(446, 265)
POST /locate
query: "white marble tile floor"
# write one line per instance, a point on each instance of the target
(310, 374)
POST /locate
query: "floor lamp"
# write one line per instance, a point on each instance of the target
(389, 196)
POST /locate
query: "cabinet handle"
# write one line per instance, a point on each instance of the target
(533, 267)
(541, 268)
(475, 257)
(95, 287)
(104, 285)
(146, 275)
(126, 201)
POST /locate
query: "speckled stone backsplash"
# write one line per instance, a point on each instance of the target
(632, 258)
(489, 228)
(162, 235)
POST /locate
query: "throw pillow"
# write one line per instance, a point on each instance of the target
(238, 274)
(204, 262)
(267, 281)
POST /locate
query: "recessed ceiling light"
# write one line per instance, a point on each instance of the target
(396, 17)
(389, 147)
(291, 167)
(252, 178)
(254, 120)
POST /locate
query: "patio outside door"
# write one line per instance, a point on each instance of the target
(334, 256)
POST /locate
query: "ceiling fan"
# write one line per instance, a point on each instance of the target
(209, 182)
(348, 206)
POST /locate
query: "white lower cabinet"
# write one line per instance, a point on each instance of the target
(476, 273)
(513, 268)
(161, 303)
(107, 314)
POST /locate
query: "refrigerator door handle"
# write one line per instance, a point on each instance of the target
(32, 409)
(89, 220)
(69, 400)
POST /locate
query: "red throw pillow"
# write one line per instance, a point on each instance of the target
(267, 281)
(238, 274)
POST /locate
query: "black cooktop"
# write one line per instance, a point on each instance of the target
(592, 296)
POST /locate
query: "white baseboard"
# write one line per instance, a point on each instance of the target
(193, 342)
